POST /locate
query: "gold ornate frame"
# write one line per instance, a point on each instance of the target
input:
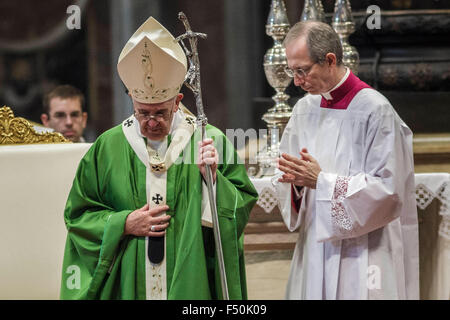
(19, 131)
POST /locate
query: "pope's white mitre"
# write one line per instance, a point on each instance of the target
(152, 65)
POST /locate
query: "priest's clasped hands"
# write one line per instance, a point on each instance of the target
(302, 172)
(146, 222)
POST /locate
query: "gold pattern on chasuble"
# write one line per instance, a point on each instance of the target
(20, 131)
(156, 282)
(160, 167)
(156, 163)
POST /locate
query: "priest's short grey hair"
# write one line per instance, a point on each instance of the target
(320, 39)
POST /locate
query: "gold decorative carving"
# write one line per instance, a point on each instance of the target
(19, 131)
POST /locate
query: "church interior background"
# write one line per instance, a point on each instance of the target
(407, 59)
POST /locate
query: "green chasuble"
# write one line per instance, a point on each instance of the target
(101, 263)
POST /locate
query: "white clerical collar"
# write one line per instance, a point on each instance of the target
(327, 95)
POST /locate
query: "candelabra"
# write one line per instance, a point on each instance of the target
(274, 64)
(313, 10)
(344, 26)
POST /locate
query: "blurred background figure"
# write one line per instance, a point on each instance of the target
(64, 112)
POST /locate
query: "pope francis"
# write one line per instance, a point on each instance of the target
(138, 218)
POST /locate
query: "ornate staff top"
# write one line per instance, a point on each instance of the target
(192, 80)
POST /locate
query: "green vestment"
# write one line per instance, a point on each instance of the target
(101, 263)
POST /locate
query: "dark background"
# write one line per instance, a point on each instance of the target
(408, 59)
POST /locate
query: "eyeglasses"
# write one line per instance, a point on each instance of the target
(299, 72)
(158, 116)
(61, 116)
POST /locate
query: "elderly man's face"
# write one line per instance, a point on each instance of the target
(315, 77)
(155, 119)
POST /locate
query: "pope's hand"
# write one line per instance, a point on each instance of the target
(207, 154)
(302, 172)
(145, 222)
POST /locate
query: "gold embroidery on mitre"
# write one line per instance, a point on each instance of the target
(149, 92)
(147, 65)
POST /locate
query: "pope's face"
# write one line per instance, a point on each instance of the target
(155, 119)
(65, 116)
(316, 76)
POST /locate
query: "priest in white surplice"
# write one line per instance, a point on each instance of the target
(347, 180)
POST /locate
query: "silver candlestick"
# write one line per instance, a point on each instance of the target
(313, 10)
(274, 64)
(344, 26)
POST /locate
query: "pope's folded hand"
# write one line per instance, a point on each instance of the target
(146, 222)
(207, 154)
